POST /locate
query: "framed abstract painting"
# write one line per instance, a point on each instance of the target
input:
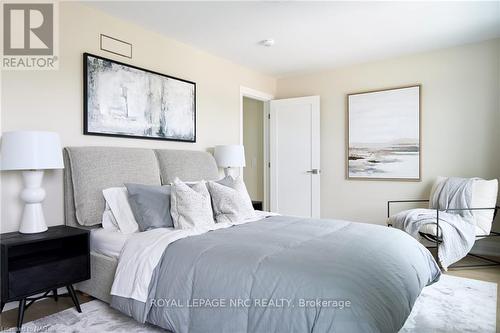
(127, 101)
(383, 134)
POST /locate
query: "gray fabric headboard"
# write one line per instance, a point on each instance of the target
(89, 170)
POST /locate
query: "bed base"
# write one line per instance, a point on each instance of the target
(102, 270)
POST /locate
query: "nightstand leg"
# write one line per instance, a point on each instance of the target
(1, 306)
(72, 293)
(55, 295)
(20, 314)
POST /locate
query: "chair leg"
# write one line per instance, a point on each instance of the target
(20, 314)
(72, 293)
(437, 237)
(55, 295)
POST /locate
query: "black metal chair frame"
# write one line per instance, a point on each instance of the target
(438, 240)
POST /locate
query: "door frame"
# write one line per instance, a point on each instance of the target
(315, 152)
(264, 97)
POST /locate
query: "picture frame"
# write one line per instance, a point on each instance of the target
(123, 100)
(383, 137)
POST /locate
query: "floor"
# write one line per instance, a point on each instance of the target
(40, 309)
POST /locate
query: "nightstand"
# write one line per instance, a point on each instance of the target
(257, 205)
(40, 263)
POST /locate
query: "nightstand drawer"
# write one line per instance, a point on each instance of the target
(29, 280)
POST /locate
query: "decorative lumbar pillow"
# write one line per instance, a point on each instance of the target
(190, 205)
(150, 205)
(117, 200)
(230, 200)
(484, 195)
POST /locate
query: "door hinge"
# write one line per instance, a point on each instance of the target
(269, 116)
(269, 164)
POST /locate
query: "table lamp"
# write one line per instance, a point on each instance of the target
(230, 156)
(32, 152)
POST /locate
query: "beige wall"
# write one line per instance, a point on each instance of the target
(52, 100)
(460, 110)
(460, 123)
(253, 140)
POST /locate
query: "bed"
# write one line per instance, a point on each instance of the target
(305, 274)
(91, 169)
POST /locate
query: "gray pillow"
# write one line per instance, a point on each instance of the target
(150, 205)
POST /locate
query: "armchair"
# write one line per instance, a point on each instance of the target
(484, 214)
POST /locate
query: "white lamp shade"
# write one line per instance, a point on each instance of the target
(31, 150)
(230, 156)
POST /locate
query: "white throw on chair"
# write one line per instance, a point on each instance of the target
(460, 211)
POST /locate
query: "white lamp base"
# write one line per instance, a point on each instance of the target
(229, 172)
(33, 194)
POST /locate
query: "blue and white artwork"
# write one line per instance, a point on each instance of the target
(123, 100)
(384, 134)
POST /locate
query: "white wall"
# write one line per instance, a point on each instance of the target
(460, 123)
(52, 100)
(253, 140)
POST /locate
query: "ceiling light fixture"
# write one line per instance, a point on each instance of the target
(267, 42)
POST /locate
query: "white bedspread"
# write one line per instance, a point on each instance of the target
(143, 251)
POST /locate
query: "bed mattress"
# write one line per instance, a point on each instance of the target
(107, 242)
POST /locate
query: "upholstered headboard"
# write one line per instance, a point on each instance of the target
(89, 170)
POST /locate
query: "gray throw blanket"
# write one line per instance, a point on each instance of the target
(457, 228)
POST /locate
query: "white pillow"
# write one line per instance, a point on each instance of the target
(117, 199)
(190, 206)
(108, 220)
(230, 199)
(484, 195)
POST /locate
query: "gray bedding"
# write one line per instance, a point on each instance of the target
(286, 274)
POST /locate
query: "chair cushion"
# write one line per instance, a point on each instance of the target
(484, 195)
(430, 229)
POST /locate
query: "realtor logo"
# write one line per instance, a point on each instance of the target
(29, 36)
(28, 29)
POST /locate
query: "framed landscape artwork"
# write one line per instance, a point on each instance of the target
(128, 101)
(384, 134)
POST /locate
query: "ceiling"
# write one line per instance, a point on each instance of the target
(311, 36)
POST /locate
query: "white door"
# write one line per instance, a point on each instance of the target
(294, 143)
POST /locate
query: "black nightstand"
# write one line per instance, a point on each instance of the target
(257, 205)
(40, 263)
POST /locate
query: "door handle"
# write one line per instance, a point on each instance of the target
(313, 171)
